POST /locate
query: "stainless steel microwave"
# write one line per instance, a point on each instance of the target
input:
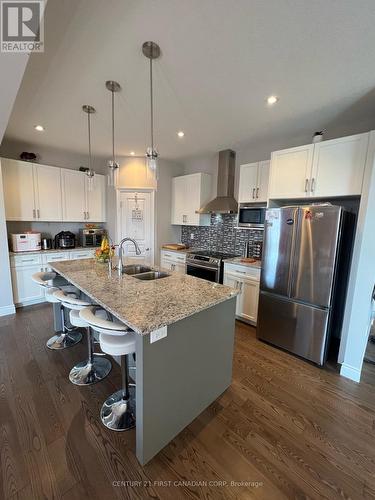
(251, 216)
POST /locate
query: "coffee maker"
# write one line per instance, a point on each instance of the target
(65, 239)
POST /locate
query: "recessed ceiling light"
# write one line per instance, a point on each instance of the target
(132, 153)
(180, 133)
(39, 128)
(272, 99)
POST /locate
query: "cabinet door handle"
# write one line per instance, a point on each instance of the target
(257, 195)
(84, 215)
(34, 213)
(253, 193)
(38, 213)
(312, 188)
(306, 185)
(88, 215)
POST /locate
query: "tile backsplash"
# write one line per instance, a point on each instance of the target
(222, 236)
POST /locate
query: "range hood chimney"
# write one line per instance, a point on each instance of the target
(224, 203)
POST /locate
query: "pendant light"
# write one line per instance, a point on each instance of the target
(90, 171)
(113, 166)
(152, 51)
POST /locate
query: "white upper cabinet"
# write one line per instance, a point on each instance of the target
(248, 182)
(338, 166)
(189, 194)
(290, 172)
(253, 184)
(19, 195)
(178, 199)
(95, 199)
(47, 187)
(326, 169)
(73, 195)
(34, 192)
(31, 191)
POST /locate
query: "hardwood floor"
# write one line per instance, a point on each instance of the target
(284, 429)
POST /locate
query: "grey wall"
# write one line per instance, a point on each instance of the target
(12, 70)
(357, 316)
(51, 156)
(6, 295)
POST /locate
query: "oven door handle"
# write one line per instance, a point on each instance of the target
(202, 267)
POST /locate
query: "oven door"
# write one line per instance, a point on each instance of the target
(204, 272)
(251, 217)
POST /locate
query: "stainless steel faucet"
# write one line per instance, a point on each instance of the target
(137, 251)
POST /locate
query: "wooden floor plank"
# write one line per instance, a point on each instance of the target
(295, 430)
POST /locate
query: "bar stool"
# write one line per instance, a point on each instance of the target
(95, 368)
(116, 339)
(69, 336)
(65, 338)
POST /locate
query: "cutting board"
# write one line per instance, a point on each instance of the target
(175, 246)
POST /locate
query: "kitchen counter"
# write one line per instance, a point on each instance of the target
(144, 306)
(183, 368)
(237, 261)
(52, 250)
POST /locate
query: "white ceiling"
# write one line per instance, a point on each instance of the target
(220, 59)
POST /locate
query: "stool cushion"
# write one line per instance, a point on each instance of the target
(49, 294)
(92, 316)
(117, 345)
(42, 278)
(70, 300)
(75, 320)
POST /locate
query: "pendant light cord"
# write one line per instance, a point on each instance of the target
(89, 132)
(152, 108)
(113, 126)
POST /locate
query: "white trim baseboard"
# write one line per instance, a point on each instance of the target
(6, 310)
(350, 372)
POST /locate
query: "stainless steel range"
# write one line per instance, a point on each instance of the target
(207, 265)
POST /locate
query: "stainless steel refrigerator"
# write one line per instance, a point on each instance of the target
(303, 287)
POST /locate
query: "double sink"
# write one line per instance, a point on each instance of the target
(143, 272)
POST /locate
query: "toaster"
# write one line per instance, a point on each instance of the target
(25, 242)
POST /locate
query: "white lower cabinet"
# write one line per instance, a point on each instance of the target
(25, 291)
(23, 266)
(246, 280)
(173, 261)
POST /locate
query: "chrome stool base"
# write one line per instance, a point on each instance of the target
(118, 414)
(86, 373)
(64, 340)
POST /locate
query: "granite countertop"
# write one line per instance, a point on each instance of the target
(143, 305)
(237, 260)
(52, 250)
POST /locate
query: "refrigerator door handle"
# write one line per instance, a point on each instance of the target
(293, 252)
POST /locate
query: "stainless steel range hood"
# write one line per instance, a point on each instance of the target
(224, 203)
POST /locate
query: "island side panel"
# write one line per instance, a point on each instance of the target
(180, 375)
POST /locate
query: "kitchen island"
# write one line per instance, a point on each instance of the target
(190, 365)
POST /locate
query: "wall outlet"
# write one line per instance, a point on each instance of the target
(158, 334)
(191, 236)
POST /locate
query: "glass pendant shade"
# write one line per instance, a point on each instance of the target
(152, 163)
(89, 110)
(152, 51)
(113, 168)
(90, 183)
